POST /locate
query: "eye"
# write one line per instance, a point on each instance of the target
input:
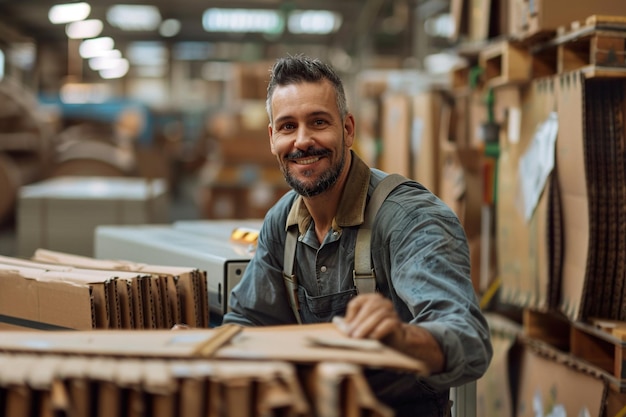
(288, 126)
(319, 122)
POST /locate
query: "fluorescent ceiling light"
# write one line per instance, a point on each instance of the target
(134, 17)
(95, 47)
(147, 53)
(116, 72)
(193, 51)
(243, 20)
(84, 29)
(319, 22)
(70, 12)
(1, 64)
(101, 63)
(169, 28)
(105, 60)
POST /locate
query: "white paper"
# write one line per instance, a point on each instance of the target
(537, 163)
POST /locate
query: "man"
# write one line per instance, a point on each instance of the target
(425, 305)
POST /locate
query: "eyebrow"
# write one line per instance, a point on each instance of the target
(313, 114)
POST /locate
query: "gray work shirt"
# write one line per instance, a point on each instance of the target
(421, 260)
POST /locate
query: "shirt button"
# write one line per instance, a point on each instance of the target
(300, 238)
(323, 269)
(335, 233)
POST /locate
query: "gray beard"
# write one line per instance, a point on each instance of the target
(327, 180)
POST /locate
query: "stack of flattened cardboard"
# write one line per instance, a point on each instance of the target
(315, 370)
(590, 154)
(45, 384)
(223, 261)
(84, 295)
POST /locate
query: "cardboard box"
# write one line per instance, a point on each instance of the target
(548, 15)
(223, 261)
(62, 213)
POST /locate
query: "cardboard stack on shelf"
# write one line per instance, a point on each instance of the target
(555, 75)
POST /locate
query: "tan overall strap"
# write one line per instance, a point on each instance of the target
(291, 282)
(363, 274)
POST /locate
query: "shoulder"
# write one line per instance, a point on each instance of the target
(411, 200)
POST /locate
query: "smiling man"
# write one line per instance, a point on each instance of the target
(424, 304)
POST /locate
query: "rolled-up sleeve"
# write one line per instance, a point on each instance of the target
(427, 257)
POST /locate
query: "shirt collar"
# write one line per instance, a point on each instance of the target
(351, 206)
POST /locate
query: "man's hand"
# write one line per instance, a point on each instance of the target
(372, 316)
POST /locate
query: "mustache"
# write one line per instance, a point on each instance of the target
(308, 153)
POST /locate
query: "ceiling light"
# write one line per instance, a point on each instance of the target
(70, 12)
(147, 53)
(95, 47)
(169, 28)
(319, 22)
(84, 29)
(242, 20)
(134, 17)
(106, 60)
(117, 72)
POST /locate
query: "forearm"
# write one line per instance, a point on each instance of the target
(419, 343)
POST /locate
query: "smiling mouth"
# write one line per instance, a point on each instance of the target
(307, 161)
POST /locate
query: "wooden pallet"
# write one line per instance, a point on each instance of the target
(603, 346)
(599, 343)
(597, 47)
(505, 62)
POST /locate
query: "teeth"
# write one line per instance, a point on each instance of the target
(307, 161)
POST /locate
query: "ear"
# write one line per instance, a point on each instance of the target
(349, 129)
(270, 132)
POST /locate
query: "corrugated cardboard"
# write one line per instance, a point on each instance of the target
(182, 288)
(522, 246)
(426, 123)
(396, 132)
(552, 382)
(570, 163)
(223, 261)
(340, 389)
(494, 390)
(119, 299)
(47, 385)
(306, 344)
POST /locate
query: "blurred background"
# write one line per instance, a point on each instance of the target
(176, 90)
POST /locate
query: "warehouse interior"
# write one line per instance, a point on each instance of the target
(147, 163)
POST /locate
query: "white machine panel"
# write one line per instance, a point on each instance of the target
(223, 261)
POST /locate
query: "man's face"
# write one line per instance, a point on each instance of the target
(308, 136)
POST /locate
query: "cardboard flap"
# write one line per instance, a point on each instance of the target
(293, 344)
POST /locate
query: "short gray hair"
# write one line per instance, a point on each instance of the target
(300, 68)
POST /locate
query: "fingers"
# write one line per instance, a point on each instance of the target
(371, 316)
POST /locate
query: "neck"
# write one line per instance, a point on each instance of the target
(323, 207)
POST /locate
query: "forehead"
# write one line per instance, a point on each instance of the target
(304, 97)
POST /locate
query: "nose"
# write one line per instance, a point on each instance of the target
(304, 138)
